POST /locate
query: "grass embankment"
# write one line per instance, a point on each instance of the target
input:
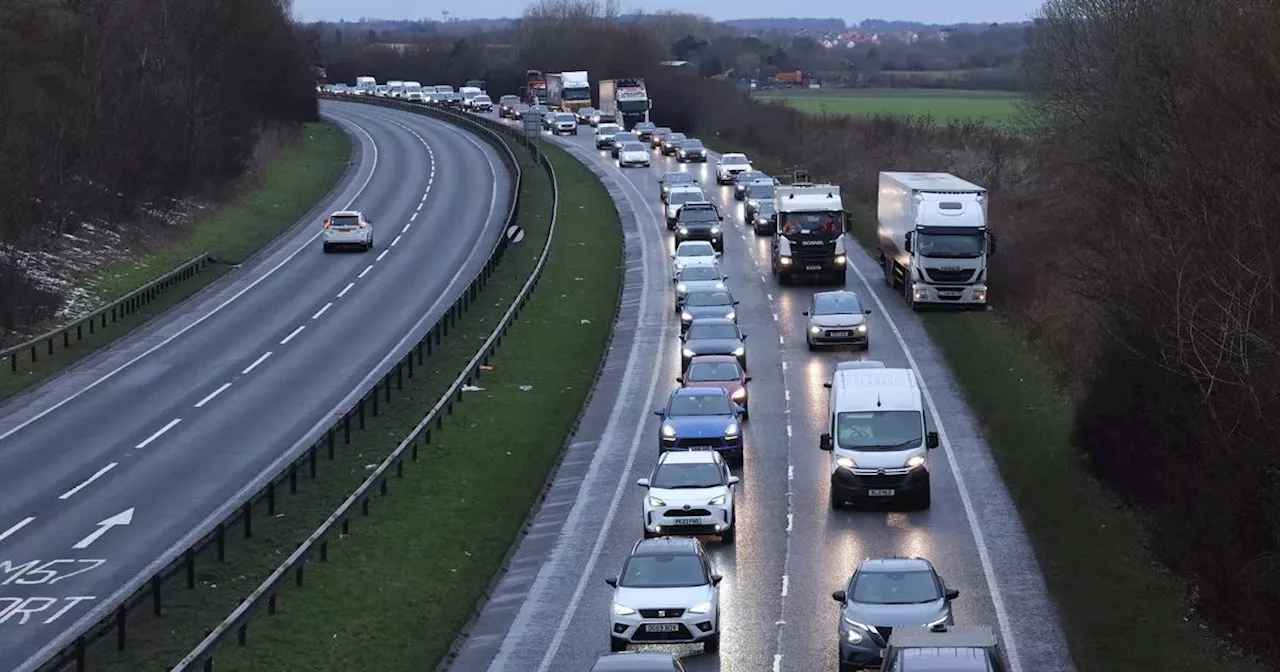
(395, 593)
(944, 106)
(288, 187)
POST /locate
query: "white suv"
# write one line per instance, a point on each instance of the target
(729, 166)
(666, 593)
(689, 492)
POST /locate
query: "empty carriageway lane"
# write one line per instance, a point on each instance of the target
(138, 459)
(787, 617)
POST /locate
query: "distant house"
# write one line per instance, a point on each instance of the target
(682, 65)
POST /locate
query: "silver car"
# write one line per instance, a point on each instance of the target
(885, 593)
(564, 122)
(347, 228)
(837, 318)
(696, 279)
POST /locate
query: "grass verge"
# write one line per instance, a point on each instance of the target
(289, 186)
(394, 594)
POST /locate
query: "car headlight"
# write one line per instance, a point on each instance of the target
(740, 351)
(715, 230)
(730, 315)
(862, 328)
(654, 501)
(686, 317)
(688, 353)
(679, 266)
(840, 260)
(740, 394)
(668, 430)
(700, 608)
(761, 220)
(852, 635)
(846, 463)
(622, 610)
(682, 288)
(814, 330)
(913, 462)
(684, 230)
(731, 430)
(719, 285)
(717, 501)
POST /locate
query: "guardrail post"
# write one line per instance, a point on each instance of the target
(364, 506)
(409, 359)
(346, 429)
(221, 536)
(329, 440)
(373, 396)
(293, 476)
(208, 664)
(362, 413)
(324, 551)
(242, 634)
(311, 460)
(271, 605)
(399, 378)
(413, 449)
(120, 627)
(80, 650)
(190, 558)
(400, 468)
(271, 497)
(387, 393)
(248, 519)
(383, 486)
(155, 595)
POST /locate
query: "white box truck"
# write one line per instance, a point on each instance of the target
(934, 241)
(568, 91)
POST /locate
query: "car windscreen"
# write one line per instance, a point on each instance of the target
(691, 144)
(700, 404)
(692, 215)
(565, 116)
(645, 126)
(606, 129)
(734, 160)
(695, 273)
(760, 191)
(879, 430)
(633, 147)
(625, 136)
(765, 209)
(912, 587)
(685, 196)
(711, 332)
(836, 304)
(701, 372)
(663, 571)
(344, 220)
(674, 138)
(680, 476)
(700, 250)
(709, 299)
(671, 179)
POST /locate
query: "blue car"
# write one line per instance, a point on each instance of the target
(701, 418)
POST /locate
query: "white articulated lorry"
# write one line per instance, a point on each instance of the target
(934, 241)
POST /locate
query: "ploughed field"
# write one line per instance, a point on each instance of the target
(992, 107)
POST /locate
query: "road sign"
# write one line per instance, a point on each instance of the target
(515, 234)
(533, 124)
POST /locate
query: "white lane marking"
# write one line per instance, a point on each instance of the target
(322, 311)
(346, 289)
(220, 390)
(791, 519)
(255, 363)
(365, 271)
(419, 209)
(293, 333)
(384, 253)
(984, 555)
(788, 431)
(159, 433)
(784, 366)
(393, 243)
(214, 311)
(791, 472)
(785, 581)
(777, 662)
(68, 494)
(21, 524)
(406, 227)
(780, 341)
(787, 394)
(770, 296)
(775, 317)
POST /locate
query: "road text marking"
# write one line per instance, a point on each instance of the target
(123, 518)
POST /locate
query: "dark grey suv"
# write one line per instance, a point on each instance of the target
(885, 593)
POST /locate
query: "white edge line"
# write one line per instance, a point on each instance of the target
(84, 484)
(256, 362)
(293, 333)
(21, 524)
(220, 390)
(216, 309)
(159, 433)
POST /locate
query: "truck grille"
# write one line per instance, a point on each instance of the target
(939, 275)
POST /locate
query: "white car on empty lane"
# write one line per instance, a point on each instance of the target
(692, 253)
(689, 492)
(633, 154)
(347, 228)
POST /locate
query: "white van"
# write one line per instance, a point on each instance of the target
(877, 435)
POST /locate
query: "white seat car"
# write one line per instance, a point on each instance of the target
(729, 165)
(347, 228)
(692, 253)
(677, 196)
(564, 123)
(696, 279)
(689, 492)
(604, 135)
(633, 154)
(666, 593)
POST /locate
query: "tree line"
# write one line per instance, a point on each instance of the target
(111, 109)
(1138, 225)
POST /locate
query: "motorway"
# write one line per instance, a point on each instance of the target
(550, 611)
(143, 447)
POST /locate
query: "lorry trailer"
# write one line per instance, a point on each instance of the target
(934, 240)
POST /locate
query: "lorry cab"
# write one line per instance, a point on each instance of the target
(809, 232)
(877, 436)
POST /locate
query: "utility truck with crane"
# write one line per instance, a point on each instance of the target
(934, 240)
(809, 231)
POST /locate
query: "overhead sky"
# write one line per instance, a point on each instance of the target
(929, 11)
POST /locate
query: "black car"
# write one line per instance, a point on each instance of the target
(690, 151)
(757, 192)
(621, 138)
(506, 104)
(713, 336)
(645, 130)
(588, 115)
(517, 111)
(744, 178)
(672, 180)
(766, 219)
(700, 220)
(671, 142)
(708, 303)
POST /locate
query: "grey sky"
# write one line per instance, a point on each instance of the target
(933, 11)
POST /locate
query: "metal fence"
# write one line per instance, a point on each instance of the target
(145, 589)
(44, 345)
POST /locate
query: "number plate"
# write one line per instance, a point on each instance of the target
(662, 627)
(836, 334)
(688, 521)
(880, 493)
(813, 268)
(700, 447)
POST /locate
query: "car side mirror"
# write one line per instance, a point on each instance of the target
(747, 379)
(679, 379)
(736, 302)
(866, 312)
(839, 596)
(722, 218)
(642, 482)
(931, 440)
(824, 442)
(613, 581)
(827, 384)
(742, 337)
(734, 480)
(672, 255)
(991, 244)
(718, 253)
(952, 594)
(659, 412)
(805, 313)
(906, 241)
(716, 579)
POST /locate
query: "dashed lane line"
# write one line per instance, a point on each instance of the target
(256, 362)
(365, 271)
(21, 524)
(346, 289)
(322, 311)
(295, 332)
(85, 483)
(159, 433)
(220, 390)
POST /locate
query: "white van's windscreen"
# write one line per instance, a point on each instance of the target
(879, 430)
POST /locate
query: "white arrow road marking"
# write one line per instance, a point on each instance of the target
(123, 518)
(21, 524)
(85, 484)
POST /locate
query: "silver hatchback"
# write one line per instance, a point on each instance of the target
(347, 228)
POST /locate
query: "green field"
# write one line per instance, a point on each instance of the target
(988, 107)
